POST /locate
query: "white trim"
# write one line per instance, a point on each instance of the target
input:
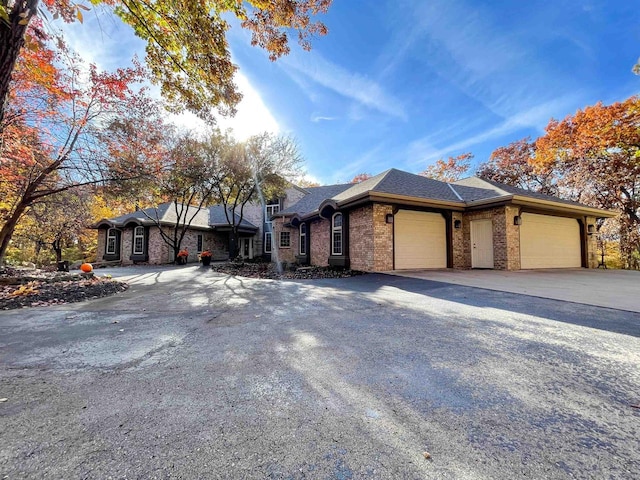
(302, 239)
(115, 242)
(274, 207)
(280, 239)
(137, 236)
(335, 230)
(270, 236)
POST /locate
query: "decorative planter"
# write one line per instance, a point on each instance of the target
(181, 260)
(206, 261)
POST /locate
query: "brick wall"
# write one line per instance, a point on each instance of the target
(285, 254)
(320, 233)
(102, 239)
(382, 238)
(126, 246)
(592, 245)
(158, 249)
(512, 233)
(498, 217)
(458, 241)
(361, 238)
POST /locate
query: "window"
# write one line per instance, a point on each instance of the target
(199, 247)
(271, 209)
(138, 240)
(112, 240)
(336, 234)
(285, 239)
(303, 239)
(267, 242)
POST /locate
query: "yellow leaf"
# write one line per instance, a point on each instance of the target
(79, 16)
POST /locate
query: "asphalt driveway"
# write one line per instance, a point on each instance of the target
(192, 374)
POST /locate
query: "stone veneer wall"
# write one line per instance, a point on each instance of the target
(382, 238)
(320, 233)
(361, 238)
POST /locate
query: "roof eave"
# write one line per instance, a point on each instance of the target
(563, 207)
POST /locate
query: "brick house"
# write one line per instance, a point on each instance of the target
(398, 220)
(136, 238)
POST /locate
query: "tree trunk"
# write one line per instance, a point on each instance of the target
(8, 228)
(57, 248)
(11, 42)
(234, 247)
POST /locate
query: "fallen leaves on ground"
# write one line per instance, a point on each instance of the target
(37, 288)
(269, 271)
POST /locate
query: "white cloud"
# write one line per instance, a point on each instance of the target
(253, 115)
(321, 118)
(423, 152)
(348, 84)
(106, 42)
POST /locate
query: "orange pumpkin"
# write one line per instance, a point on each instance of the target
(86, 267)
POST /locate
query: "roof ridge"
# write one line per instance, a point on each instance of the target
(455, 193)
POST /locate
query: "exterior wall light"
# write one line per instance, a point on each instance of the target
(517, 220)
(457, 224)
(591, 229)
(389, 218)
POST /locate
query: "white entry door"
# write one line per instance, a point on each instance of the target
(246, 247)
(482, 243)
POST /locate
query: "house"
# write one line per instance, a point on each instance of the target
(398, 220)
(137, 238)
(393, 221)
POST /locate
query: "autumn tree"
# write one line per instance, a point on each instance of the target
(187, 49)
(185, 185)
(449, 170)
(257, 169)
(59, 221)
(361, 177)
(49, 137)
(514, 165)
(597, 150)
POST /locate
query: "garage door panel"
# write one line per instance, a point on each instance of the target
(420, 240)
(549, 242)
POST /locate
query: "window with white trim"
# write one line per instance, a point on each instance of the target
(336, 234)
(303, 239)
(267, 242)
(285, 239)
(271, 209)
(138, 240)
(199, 243)
(112, 241)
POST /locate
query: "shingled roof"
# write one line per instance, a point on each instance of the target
(397, 182)
(403, 184)
(165, 213)
(475, 188)
(217, 218)
(311, 201)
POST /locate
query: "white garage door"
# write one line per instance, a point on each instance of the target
(549, 242)
(420, 240)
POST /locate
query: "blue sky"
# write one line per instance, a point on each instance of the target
(406, 82)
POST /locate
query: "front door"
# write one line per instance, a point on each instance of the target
(246, 247)
(482, 243)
